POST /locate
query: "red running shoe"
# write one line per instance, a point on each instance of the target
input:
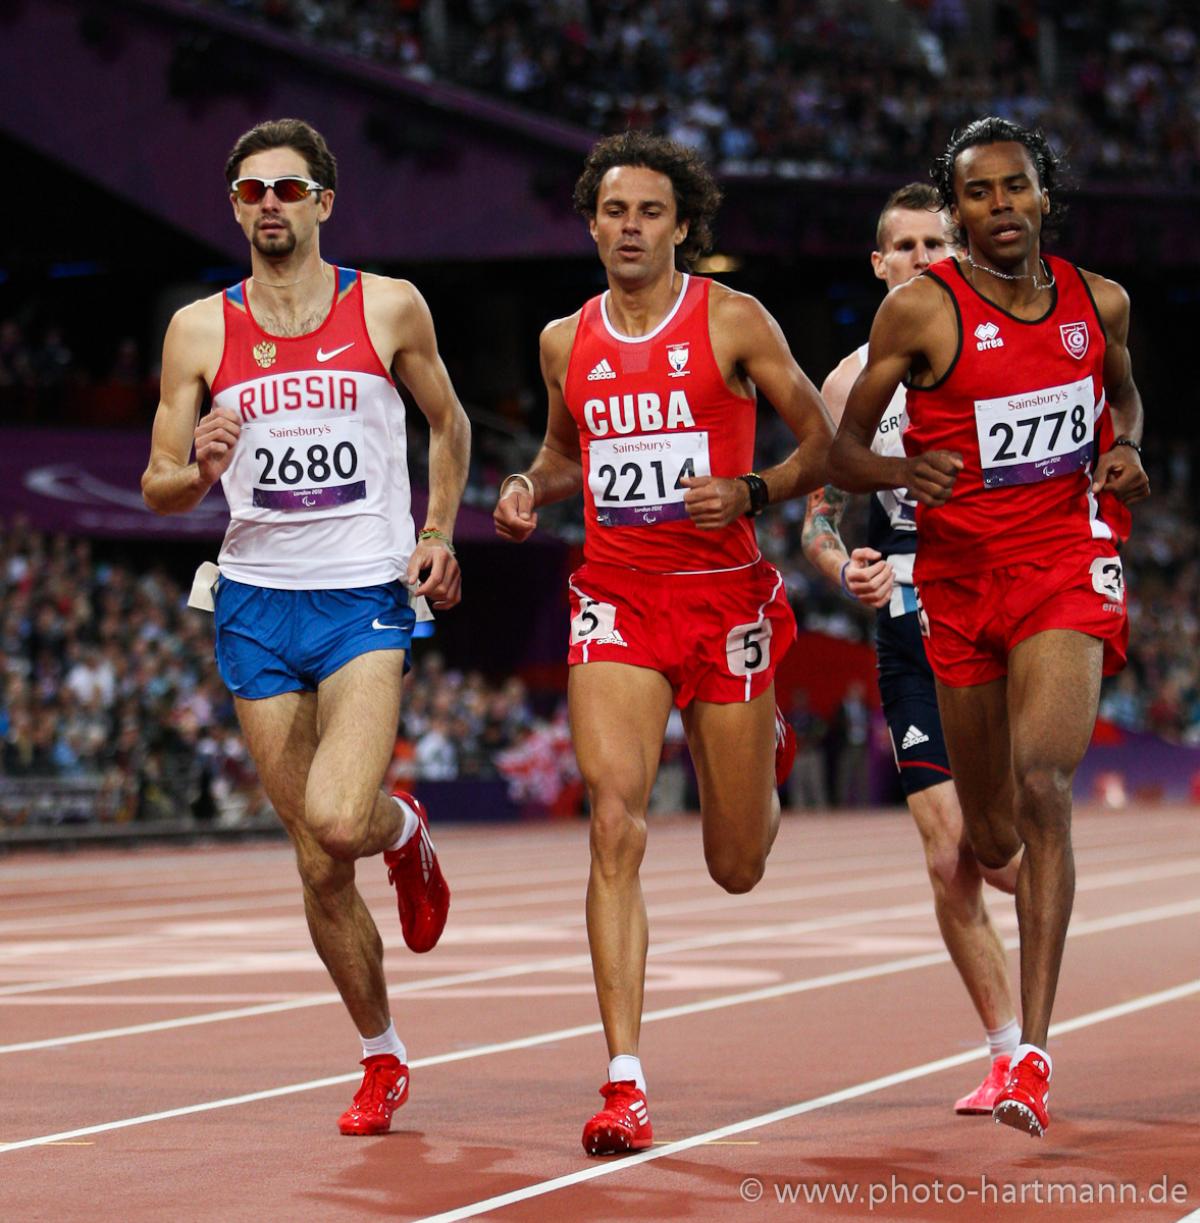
(983, 1099)
(1022, 1101)
(384, 1088)
(622, 1125)
(421, 892)
(785, 748)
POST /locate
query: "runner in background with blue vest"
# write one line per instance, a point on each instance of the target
(320, 568)
(1022, 452)
(912, 233)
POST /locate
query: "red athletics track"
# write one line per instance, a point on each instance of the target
(169, 1046)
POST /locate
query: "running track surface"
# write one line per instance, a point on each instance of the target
(170, 1047)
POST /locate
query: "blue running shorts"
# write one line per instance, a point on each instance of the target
(910, 702)
(273, 641)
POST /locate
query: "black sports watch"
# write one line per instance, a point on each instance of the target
(760, 496)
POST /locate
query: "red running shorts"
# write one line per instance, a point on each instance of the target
(716, 637)
(972, 624)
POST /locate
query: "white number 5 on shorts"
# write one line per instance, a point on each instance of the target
(594, 619)
(748, 648)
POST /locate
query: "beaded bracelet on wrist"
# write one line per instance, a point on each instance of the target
(427, 534)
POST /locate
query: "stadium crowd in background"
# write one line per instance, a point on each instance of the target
(106, 680)
(109, 679)
(806, 87)
(34, 363)
(107, 676)
(42, 375)
(1160, 690)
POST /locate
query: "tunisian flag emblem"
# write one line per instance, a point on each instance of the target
(1074, 338)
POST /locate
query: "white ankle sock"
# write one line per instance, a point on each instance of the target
(408, 828)
(385, 1042)
(624, 1067)
(1021, 1051)
(1002, 1041)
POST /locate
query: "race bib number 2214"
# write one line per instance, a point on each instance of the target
(638, 481)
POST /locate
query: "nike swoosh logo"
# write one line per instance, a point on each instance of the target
(322, 355)
(375, 624)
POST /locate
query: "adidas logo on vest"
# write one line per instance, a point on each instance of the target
(601, 370)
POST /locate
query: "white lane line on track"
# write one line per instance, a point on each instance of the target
(117, 907)
(810, 837)
(766, 897)
(656, 880)
(760, 898)
(286, 896)
(116, 904)
(481, 850)
(144, 1000)
(1145, 1002)
(768, 993)
(795, 1110)
(180, 916)
(525, 968)
(579, 962)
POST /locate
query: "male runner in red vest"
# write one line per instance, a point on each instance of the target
(911, 235)
(1010, 357)
(652, 411)
(313, 615)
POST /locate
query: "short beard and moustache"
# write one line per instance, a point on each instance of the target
(275, 245)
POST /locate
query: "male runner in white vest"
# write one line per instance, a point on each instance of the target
(320, 565)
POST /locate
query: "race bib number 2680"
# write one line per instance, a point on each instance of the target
(308, 467)
(1035, 435)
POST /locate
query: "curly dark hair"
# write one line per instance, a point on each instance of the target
(697, 196)
(994, 130)
(286, 134)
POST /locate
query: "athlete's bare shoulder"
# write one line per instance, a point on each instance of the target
(196, 334)
(555, 343)
(389, 294)
(922, 293)
(742, 331)
(559, 331)
(1112, 302)
(398, 318)
(914, 309)
(835, 390)
(729, 308)
(199, 318)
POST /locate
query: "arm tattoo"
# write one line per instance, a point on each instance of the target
(821, 518)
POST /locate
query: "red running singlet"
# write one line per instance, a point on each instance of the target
(652, 410)
(1023, 403)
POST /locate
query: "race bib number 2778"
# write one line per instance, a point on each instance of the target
(1035, 435)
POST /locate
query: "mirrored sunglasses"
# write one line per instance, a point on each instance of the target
(289, 189)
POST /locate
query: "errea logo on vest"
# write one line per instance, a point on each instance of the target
(988, 335)
(642, 413)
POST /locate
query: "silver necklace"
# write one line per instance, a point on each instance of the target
(1037, 284)
(291, 284)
